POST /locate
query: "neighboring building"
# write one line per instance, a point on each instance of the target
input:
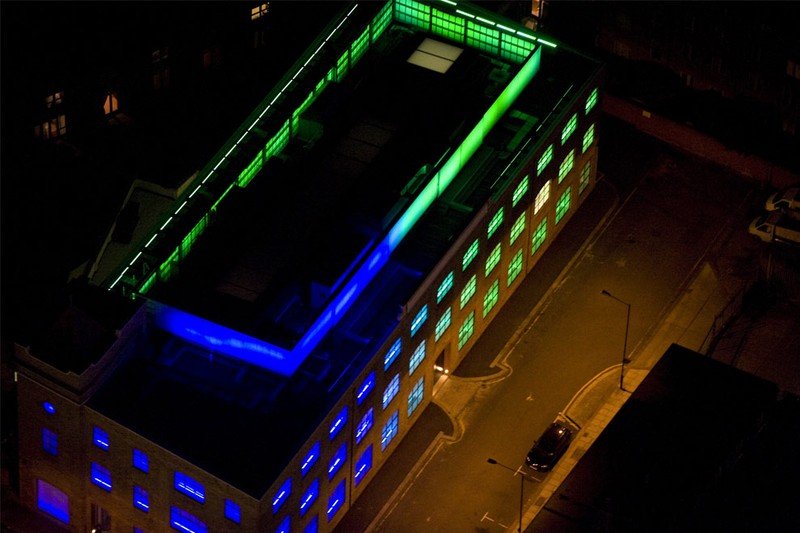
(251, 352)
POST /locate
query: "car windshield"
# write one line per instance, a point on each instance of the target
(550, 439)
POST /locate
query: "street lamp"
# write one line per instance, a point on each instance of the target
(625, 344)
(521, 486)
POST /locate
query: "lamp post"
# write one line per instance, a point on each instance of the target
(625, 344)
(521, 486)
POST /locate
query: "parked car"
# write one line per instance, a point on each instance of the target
(549, 448)
(776, 227)
(787, 200)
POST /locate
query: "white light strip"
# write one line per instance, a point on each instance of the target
(449, 2)
(135, 258)
(470, 15)
(505, 28)
(119, 278)
(548, 43)
(523, 34)
(151, 240)
(206, 178)
(485, 21)
(231, 150)
(165, 223)
(195, 191)
(182, 206)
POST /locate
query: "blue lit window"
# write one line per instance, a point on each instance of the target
(337, 460)
(419, 320)
(312, 526)
(444, 287)
(310, 459)
(100, 438)
(338, 424)
(186, 522)
(50, 441)
(137, 530)
(365, 388)
(232, 511)
(49, 408)
(364, 426)
(140, 460)
(389, 430)
(392, 354)
(309, 497)
(364, 464)
(415, 397)
(416, 358)
(336, 500)
(52, 501)
(391, 390)
(285, 526)
(281, 495)
(101, 477)
(190, 487)
(141, 500)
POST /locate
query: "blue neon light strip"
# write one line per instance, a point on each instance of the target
(281, 496)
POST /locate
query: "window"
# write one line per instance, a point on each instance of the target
(54, 99)
(562, 206)
(50, 441)
(281, 495)
(419, 320)
(366, 387)
(364, 464)
(190, 487)
(391, 390)
(392, 354)
(490, 299)
(541, 197)
(416, 358)
(566, 166)
(49, 408)
(520, 191)
(586, 173)
(514, 267)
(468, 291)
(309, 497)
(493, 259)
(389, 430)
(443, 323)
(470, 254)
(415, 396)
(517, 228)
(365, 425)
(337, 460)
(539, 236)
(259, 11)
(53, 501)
(232, 511)
(466, 329)
(285, 526)
(185, 521)
(312, 526)
(310, 459)
(588, 138)
(569, 128)
(101, 477)
(140, 460)
(444, 287)
(52, 128)
(494, 223)
(141, 500)
(547, 156)
(592, 100)
(111, 104)
(100, 438)
(338, 423)
(335, 500)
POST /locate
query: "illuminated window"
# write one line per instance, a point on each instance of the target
(470, 254)
(310, 459)
(101, 477)
(389, 430)
(466, 329)
(391, 390)
(49, 408)
(468, 291)
(309, 497)
(586, 173)
(338, 423)
(493, 259)
(541, 197)
(50, 129)
(566, 165)
(141, 500)
(392, 354)
(52, 501)
(190, 487)
(416, 358)
(232, 511)
(520, 191)
(415, 396)
(592, 100)
(100, 438)
(547, 156)
(569, 128)
(419, 320)
(50, 441)
(285, 526)
(514, 267)
(54, 99)
(443, 323)
(365, 425)
(259, 11)
(337, 460)
(185, 521)
(588, 138)
(490, 299)
(111, 104)
(494, 223)
(281, 496)
(312, 526)
(140, 460)
(444, 287)
(336, 500)
(562, 206)
(366, 387)
(364, 464)
(517, 228)
(539, 236)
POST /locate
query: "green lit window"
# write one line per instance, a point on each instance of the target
(539, 236)
(566, 165)
(562, 206)
(490, 300)
(470, 254)
(514, 267)
(497, 219)
(415, 396)
(517, 228)
(413, 13)
(449, 26)
(443, 323)
(586, 173)
(468, 291)
(592, 100)
(493, 259)
(466, 330)
(569, 128)
(444, 287)
(541, 197)
(416, 358)
(482, 38)
(547, 156)
(514, 48)
(520, 191)
(588, 138)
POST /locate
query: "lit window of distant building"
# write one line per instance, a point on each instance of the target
(111, 104)
(54, 99)
(259, 11)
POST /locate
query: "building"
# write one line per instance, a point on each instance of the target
(251, 353)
